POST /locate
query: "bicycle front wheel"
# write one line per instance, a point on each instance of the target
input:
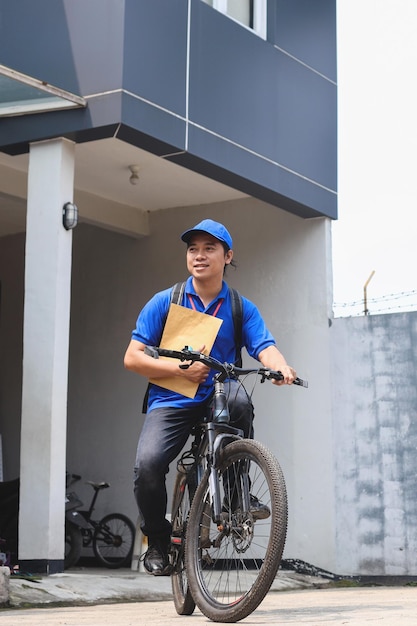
(181, 502)
(113, 540)
(231, 565)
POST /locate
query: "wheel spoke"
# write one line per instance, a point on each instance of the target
(113, 540)
(231, 565)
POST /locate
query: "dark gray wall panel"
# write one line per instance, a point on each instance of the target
(157, 123)
(307, 30)
(155, 52)
(306, 106)
(99, 120)
(258, 177)
(246, 90)
(72, 44)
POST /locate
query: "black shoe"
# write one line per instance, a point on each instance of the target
(258, 510)
(156, 559)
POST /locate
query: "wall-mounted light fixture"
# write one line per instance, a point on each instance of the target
(134, 178)
(69, 215)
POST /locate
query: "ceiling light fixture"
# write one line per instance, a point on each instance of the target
(134, 177)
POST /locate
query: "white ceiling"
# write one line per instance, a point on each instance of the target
(102, 169)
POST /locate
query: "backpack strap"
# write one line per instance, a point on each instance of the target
(237, 314)
(177, 293)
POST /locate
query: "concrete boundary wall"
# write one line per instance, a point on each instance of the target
(375, 443)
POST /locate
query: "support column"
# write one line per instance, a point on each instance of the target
(45, 358)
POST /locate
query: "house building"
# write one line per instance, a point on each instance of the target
(148, 117)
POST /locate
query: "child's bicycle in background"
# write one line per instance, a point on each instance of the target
(111, 538)
(229, 510)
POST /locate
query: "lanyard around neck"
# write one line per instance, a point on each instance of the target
(216, 310)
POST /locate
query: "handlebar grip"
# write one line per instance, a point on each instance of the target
(301, 382)
(151, 351)
(279, 376)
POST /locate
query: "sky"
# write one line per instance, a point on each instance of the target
(377, 158)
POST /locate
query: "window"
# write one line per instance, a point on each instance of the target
(251, 13)
(21, 94)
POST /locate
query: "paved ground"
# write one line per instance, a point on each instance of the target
(379, 606)
(101, 597)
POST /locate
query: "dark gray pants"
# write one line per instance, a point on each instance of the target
(163, 436)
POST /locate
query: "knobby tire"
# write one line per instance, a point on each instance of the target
(182, 496)
(232, 569)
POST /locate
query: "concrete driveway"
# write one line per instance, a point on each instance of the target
(358, 606)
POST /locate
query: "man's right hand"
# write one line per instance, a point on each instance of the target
(196, 373)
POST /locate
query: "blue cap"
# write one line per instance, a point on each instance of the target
(211, 227)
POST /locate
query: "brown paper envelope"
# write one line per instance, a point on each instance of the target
(185, 327)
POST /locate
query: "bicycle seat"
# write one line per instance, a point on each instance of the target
(97, 485)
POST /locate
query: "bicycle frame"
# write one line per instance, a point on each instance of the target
(229, 508)
(208, 442)
(214, 441)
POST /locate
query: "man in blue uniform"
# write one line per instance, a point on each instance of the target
(170, 416)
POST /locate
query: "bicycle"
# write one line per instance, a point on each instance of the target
(111, 538)
(224, 553)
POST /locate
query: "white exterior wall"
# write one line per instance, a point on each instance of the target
(283, 267)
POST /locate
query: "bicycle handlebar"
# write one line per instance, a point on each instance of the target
(228, 369)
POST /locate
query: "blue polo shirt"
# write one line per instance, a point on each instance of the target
(150, 323)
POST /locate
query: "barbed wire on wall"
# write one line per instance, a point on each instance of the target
(394, 302)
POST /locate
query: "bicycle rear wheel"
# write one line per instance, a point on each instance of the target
(113, 540)
(183, 492)
(231, 567)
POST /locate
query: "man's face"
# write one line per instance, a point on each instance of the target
(206, 257)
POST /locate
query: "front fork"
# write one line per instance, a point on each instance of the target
(217, 440)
